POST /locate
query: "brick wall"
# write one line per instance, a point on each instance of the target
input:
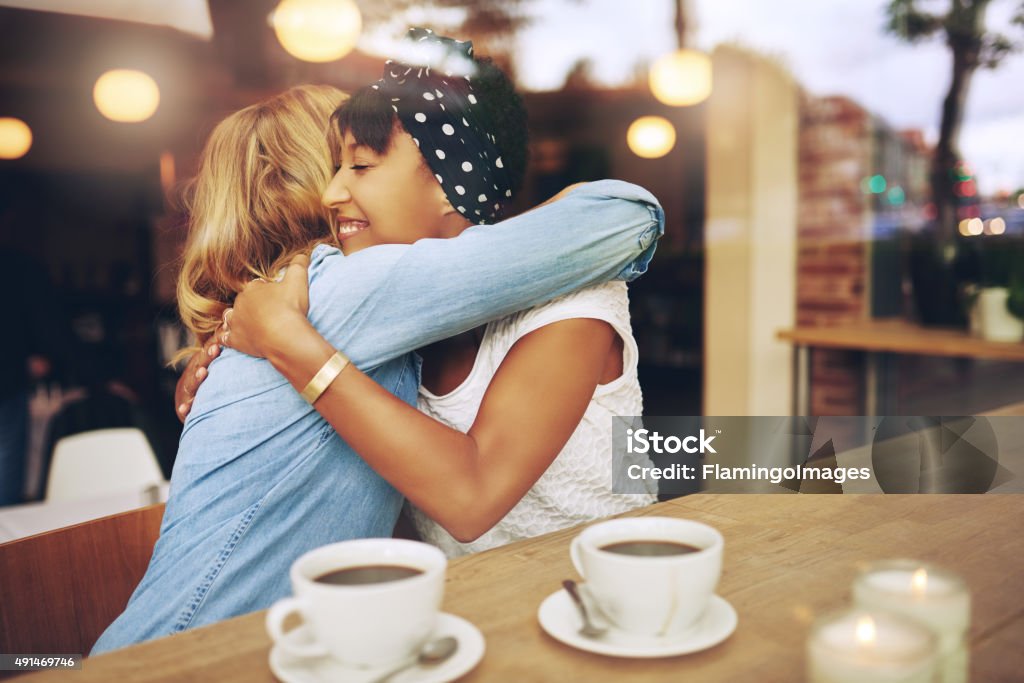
(835, 154)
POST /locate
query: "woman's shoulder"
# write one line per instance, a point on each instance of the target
(333, 274)
(327, 258)
(608, 301)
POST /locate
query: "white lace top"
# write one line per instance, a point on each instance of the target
(576, 488)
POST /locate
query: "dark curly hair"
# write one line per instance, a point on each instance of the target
(368, 116)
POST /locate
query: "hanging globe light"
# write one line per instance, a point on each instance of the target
(126, 95)
(317, 30)
(651, 137)
(15, 138)
(681, 78)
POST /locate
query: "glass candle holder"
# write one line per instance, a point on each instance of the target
(869, 646)
(930, 595)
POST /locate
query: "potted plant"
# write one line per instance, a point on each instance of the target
(996, 300)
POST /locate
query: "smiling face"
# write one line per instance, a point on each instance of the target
(389, 198)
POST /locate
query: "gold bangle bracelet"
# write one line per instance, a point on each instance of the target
(322, 379)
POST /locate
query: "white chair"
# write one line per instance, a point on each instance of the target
(100, 463)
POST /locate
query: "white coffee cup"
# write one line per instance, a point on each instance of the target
(368, 624)
(650, 596)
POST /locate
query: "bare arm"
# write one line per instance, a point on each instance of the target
(465, 482)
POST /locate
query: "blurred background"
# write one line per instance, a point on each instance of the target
(842, 183)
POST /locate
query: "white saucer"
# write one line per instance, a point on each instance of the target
(561, 620)
(291, 669)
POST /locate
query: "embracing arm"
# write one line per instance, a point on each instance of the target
(441, 287)
(465, 482)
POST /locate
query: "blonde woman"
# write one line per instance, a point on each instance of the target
(260, 477)
(254, 204)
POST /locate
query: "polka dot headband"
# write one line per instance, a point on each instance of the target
(432, 94)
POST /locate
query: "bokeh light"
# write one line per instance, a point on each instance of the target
(681, 78)
(651, 137)
(971, 227)
(896, 195)
(126, 95)
(1020, 201)
(997, 226)
(877, 184)
(15, 138)
(317, 30)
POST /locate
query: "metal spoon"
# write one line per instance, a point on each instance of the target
(589, 628)
(432, 654)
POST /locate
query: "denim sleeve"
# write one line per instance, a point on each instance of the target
(437, 288)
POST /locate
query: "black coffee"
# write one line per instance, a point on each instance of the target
(651, 548)
(377, 573)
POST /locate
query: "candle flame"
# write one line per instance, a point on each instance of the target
(866, 630)
(919, 582)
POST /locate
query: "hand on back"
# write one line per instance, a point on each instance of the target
(258, 320)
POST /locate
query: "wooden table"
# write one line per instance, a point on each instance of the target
(878, 338)
(788, 559)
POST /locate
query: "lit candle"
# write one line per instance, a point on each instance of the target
(929, 595)
(861, 646)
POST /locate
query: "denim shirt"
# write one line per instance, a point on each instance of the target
(260, 477)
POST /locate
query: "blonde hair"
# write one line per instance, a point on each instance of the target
(255, 202)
